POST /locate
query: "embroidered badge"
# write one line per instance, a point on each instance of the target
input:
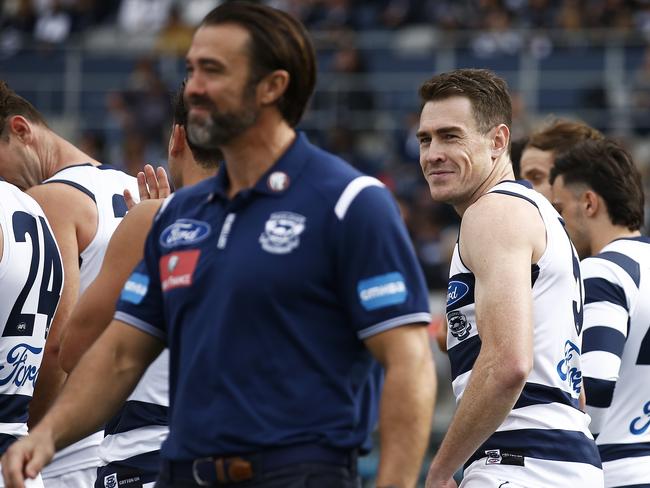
(282, 232)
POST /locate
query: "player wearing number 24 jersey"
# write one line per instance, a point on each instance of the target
(598, 190)
(31, 278)
(83, 202)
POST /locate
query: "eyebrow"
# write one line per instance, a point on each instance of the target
(205, 62)
(440, 131)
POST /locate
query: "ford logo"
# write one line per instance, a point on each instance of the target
(184, 232)
(456, 291)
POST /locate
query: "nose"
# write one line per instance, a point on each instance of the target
(432, 155)
(194, 85)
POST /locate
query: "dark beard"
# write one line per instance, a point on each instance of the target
(220, 128)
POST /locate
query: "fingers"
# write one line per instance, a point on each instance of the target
(23, 460)
(164, 188)
(142, 183)
(129, 200)
(152, 184)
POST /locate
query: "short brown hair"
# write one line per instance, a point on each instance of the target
(491, 103)
(608, 169)
(278, 41)
(561, 135)
(13, 104)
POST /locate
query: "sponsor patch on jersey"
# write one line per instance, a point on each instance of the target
(456, 290)
(110, 481)
(135, 288)
(497, 456)
(282, 232)
(177, 269)
(382, 291)
(641, 424)
(459, 326)
(568, 369)
(184, 232)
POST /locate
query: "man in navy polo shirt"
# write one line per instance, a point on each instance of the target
(275, 285)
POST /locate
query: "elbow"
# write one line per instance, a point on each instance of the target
(512, 374)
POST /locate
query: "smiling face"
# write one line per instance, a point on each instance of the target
(455, 156)
(219, 94)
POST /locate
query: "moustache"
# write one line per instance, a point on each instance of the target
(199, 101)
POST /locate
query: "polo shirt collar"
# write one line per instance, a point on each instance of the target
(279, 177)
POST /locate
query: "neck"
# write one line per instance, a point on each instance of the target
(56, 153)
(193, 174)
(501, 170)
(255, 151)
(605, 234)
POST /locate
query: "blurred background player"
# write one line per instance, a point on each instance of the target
(597, 189)
(31, 279)
(286, 235)
(130, 451)
(542, 146)
(83, 202)
(513, 302)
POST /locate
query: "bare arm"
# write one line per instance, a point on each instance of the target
(407, 402)
(118, 358)
(73, 218)
(96, 307)
(500, 239)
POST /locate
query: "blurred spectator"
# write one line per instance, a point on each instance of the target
(193, 11)
(640, 97)
(16, 26)
(53, 24)
(143, 16)
(498, 38)
(176, 36)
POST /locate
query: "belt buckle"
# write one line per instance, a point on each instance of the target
(195, 470)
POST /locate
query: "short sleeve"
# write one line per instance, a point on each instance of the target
(141, 302)
(380, 278)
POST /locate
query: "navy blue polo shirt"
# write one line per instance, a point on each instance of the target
(265, 299)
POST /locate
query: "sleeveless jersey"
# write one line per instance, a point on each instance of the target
(104, 185)
(545, 422)
(616, 358)
(31, 279)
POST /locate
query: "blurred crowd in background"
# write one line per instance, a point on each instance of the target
(135, 117)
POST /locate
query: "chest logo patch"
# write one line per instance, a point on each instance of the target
(282, 232)
(177, 269)
(184, 232)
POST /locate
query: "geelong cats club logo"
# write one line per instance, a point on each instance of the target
(282, 232)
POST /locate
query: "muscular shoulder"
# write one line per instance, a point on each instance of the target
(61, 201)
(499, 223)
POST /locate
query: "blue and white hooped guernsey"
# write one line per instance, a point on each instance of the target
(616, 358)
(104, 185)
(31, 280)
(265, 301)
(544, 439)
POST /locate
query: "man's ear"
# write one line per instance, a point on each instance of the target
(21, 128)
(500, 140)
(591, 203)
(177, 141)
(271, 88)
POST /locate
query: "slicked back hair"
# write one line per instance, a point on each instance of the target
(608, 169)
(277, 41)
